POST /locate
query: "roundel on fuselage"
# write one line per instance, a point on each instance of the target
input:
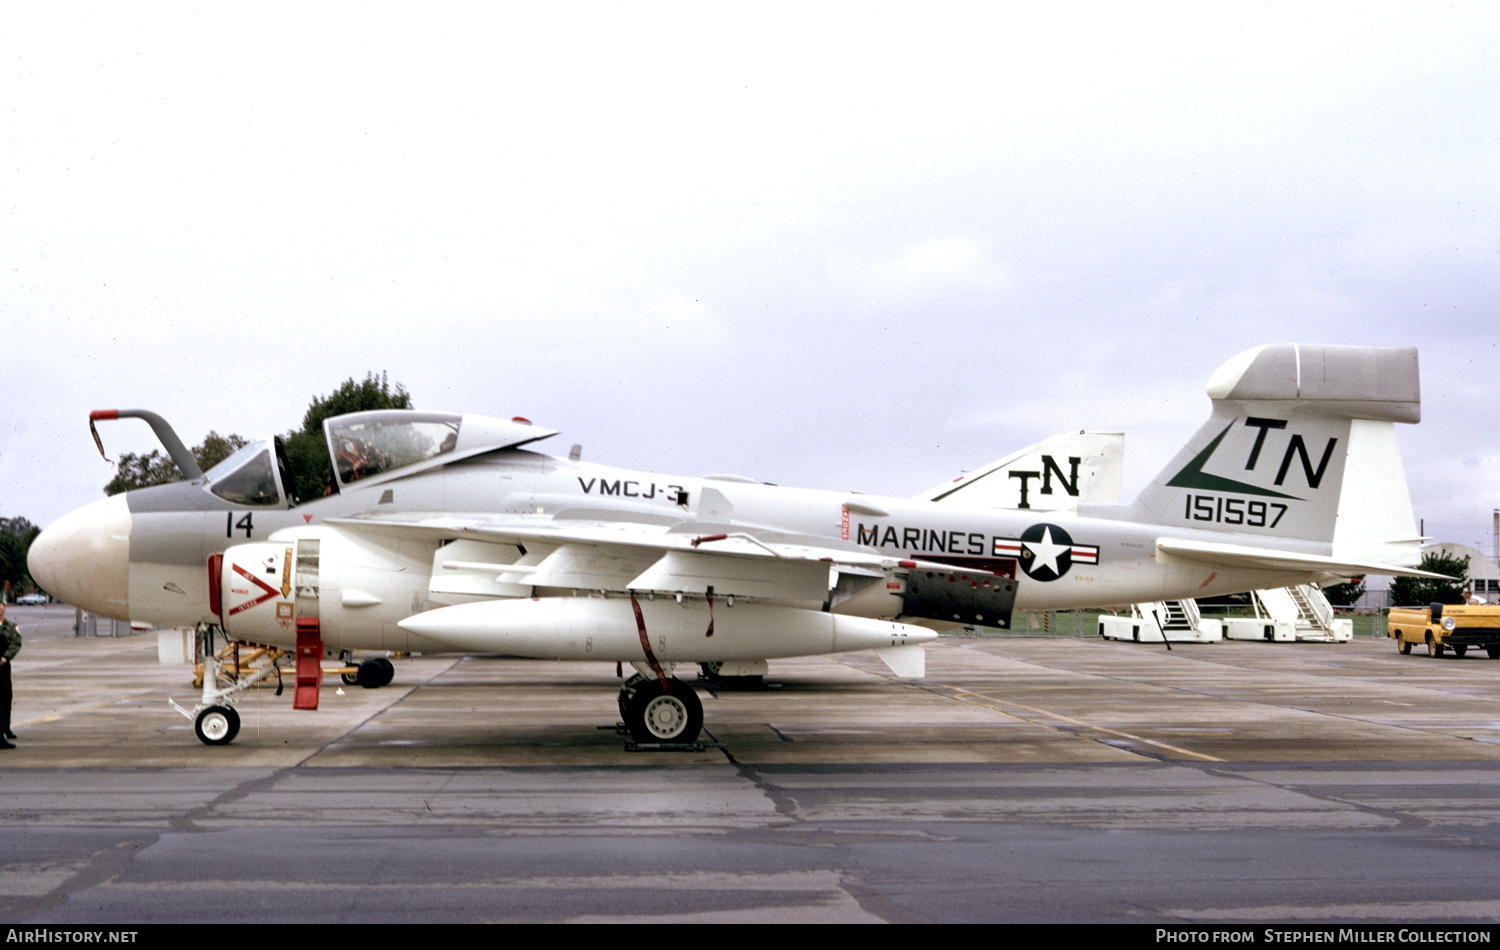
(1046, 552)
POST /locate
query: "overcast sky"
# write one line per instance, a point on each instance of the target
(839, 246)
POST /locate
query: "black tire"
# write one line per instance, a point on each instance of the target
(217, 725)
(1403, 645)
(653, 716)
(627, 690)
(1493, 651)
(1459, 649)
(1434, 648)
(375, 672)
(350, 679)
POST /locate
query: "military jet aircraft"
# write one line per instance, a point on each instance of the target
(450, 533)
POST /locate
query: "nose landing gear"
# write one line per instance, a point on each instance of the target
(214, 717)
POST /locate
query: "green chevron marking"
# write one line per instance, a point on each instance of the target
(1193, 475)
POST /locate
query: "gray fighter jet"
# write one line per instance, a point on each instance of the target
(451, 533)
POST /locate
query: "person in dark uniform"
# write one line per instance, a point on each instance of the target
(10, 645)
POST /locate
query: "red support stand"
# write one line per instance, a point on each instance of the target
(309, 664)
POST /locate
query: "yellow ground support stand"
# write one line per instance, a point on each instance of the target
(240, 660)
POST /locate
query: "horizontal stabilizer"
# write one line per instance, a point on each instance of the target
(1264, 559)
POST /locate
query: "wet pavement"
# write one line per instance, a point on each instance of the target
(1025, 779)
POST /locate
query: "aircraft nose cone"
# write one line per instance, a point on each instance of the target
(83, 558)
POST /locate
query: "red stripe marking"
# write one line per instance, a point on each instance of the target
(309, 667)
(640, 626)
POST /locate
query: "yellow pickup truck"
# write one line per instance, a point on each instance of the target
(1445, 627)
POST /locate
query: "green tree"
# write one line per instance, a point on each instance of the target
(1420, 591)
(311, 469)
(155, 468)
(216, 448)
(16, 535)
(134, 471)
(1345, 595)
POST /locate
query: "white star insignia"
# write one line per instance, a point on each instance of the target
(1045, 552)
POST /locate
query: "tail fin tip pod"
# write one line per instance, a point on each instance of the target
(1301, 445)
(1375, 383)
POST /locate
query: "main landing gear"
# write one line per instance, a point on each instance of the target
(655, 716)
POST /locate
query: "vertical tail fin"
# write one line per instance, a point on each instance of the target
(1302, 445)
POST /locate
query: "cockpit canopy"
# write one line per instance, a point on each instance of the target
(364, 444)
(370, 447)
(249, 477)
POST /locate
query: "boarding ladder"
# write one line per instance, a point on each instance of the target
(1178, 614)
(1304, 607)
(1175, 620)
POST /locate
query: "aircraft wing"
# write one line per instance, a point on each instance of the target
(732, 559)
(726, 539)
(1267, 559)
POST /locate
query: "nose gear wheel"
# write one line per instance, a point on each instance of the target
(217, 725)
